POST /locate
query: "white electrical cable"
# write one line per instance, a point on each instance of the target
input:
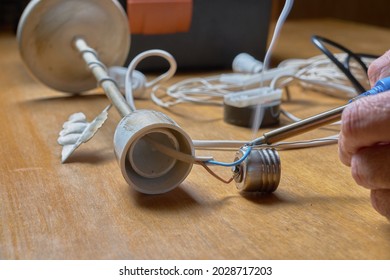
(317, 73)
(143, 83)
(278, 27)
(320, 74)
(259, 113)
(235, 144)
(197, 90)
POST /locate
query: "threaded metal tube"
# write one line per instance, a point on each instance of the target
(259, 172)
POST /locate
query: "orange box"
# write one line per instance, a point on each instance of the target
(152, 17)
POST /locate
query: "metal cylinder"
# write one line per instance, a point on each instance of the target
(259, 172)
(98, 69)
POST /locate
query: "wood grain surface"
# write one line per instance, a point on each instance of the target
(85, 210)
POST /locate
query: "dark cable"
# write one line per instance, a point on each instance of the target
(361, 56)
(344, 67)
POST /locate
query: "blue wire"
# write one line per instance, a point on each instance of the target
(380, 86)
(230, 164)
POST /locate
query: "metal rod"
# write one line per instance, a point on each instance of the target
(300, 127)
(318, 120)
(98, 69)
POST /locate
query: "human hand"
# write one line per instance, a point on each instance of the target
(379, 69)
(364, 142)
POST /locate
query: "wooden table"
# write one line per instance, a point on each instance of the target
(85, 210)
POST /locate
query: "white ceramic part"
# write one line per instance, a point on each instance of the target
(142, 148)
(46, 32)
(145, 166)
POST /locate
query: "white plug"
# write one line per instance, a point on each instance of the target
(138, 80)
(245, 63)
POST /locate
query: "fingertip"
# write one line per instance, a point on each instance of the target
(356, 171)
(380, 200)
(343, 155)
(344, 158)
(379, 68)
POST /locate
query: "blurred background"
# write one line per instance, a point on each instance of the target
(373, 12)
(218, 35)
(10, 11)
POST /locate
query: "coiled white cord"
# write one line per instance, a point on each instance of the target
(319, 73)
(133, 83)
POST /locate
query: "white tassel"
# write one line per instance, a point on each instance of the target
(77, 130)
